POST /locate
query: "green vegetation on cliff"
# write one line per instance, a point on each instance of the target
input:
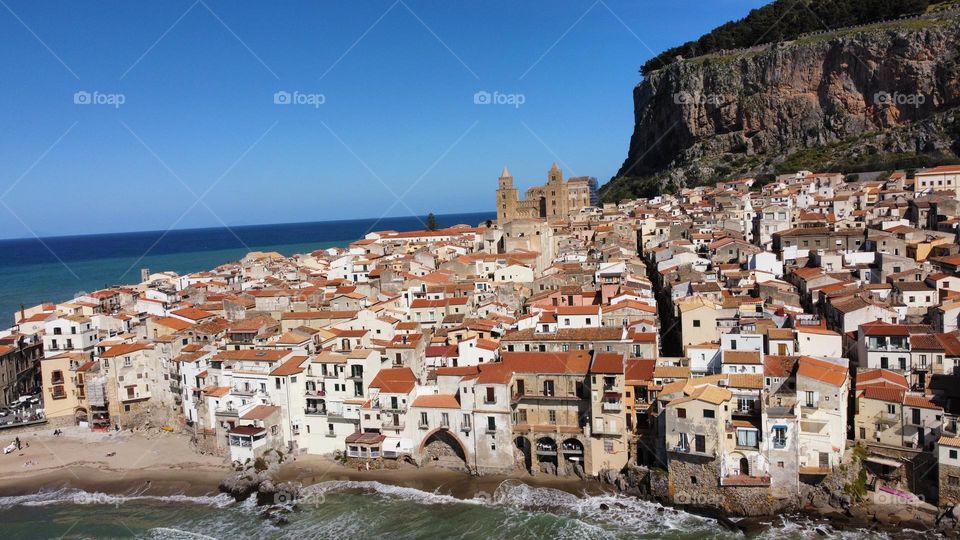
(786, 19)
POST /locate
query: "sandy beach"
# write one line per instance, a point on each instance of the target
(166, 464)
(115, 462)
(311, 469)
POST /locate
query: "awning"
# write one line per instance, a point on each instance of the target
(884, 461)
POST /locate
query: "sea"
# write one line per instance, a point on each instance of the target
(57, 269)
(355, 509)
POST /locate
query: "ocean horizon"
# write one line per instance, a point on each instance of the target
(58, 268)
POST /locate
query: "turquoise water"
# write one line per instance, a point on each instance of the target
(363, 510)
(57, 269)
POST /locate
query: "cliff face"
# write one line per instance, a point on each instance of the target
(853, 97)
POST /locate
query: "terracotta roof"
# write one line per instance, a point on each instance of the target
(823, 371)
(254, 355)
(126, 348)
(607, 363)
(260, 412)
(741, 357)
(639, 369)
(290, 367)
(546, 362)
(395, 381)
(437, 401)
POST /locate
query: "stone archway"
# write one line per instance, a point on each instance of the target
(79, 415)
(441, 448)
(524, 453)
(546, 449)
(744, 466)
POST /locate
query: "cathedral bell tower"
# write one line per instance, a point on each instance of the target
(507, 197)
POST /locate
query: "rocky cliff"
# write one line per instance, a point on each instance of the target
(868, 98)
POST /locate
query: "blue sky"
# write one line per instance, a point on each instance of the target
(198, 140)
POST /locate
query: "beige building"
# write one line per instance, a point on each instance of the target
(608, 425)
(63, 392)
(555, 199)
(549, 400)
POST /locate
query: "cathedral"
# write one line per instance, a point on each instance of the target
(553, 200)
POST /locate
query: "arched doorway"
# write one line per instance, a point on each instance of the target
(442, 449)
(79, 415)
(744, 466)
(525, 453)
(547, 454)
(573, 456)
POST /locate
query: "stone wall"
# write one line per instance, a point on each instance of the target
(949, 494)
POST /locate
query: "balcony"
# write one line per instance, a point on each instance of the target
(423, 425)
(318, 411)
(612, 406)
(314, 393)
(779, 444)
(887, 419)
(390, 423)
(227, 411)
(243, 391)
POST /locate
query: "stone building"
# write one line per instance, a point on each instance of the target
(948, 457)
(555, 199)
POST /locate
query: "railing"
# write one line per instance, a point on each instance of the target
(315, 412)
(612, 405)
(391, 424)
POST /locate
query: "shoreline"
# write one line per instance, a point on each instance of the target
(166, 466)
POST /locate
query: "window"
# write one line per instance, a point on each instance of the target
(681, 413)
(548, 388)
(423, 419)
(696, 323)
(747, 438)
(953, 480)
(708, 413)
(491, 423)
(810, 398)
(780, 436)
(445, 419)
(683, 443)
(700, 443)
(491, 397)
(953, 454)
(553, 417)
(608, 446)
(891, 409)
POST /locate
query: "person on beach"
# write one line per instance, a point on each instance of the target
(17, 440)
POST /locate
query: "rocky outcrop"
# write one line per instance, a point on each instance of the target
(853, 97)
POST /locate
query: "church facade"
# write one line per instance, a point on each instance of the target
(553, 200)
